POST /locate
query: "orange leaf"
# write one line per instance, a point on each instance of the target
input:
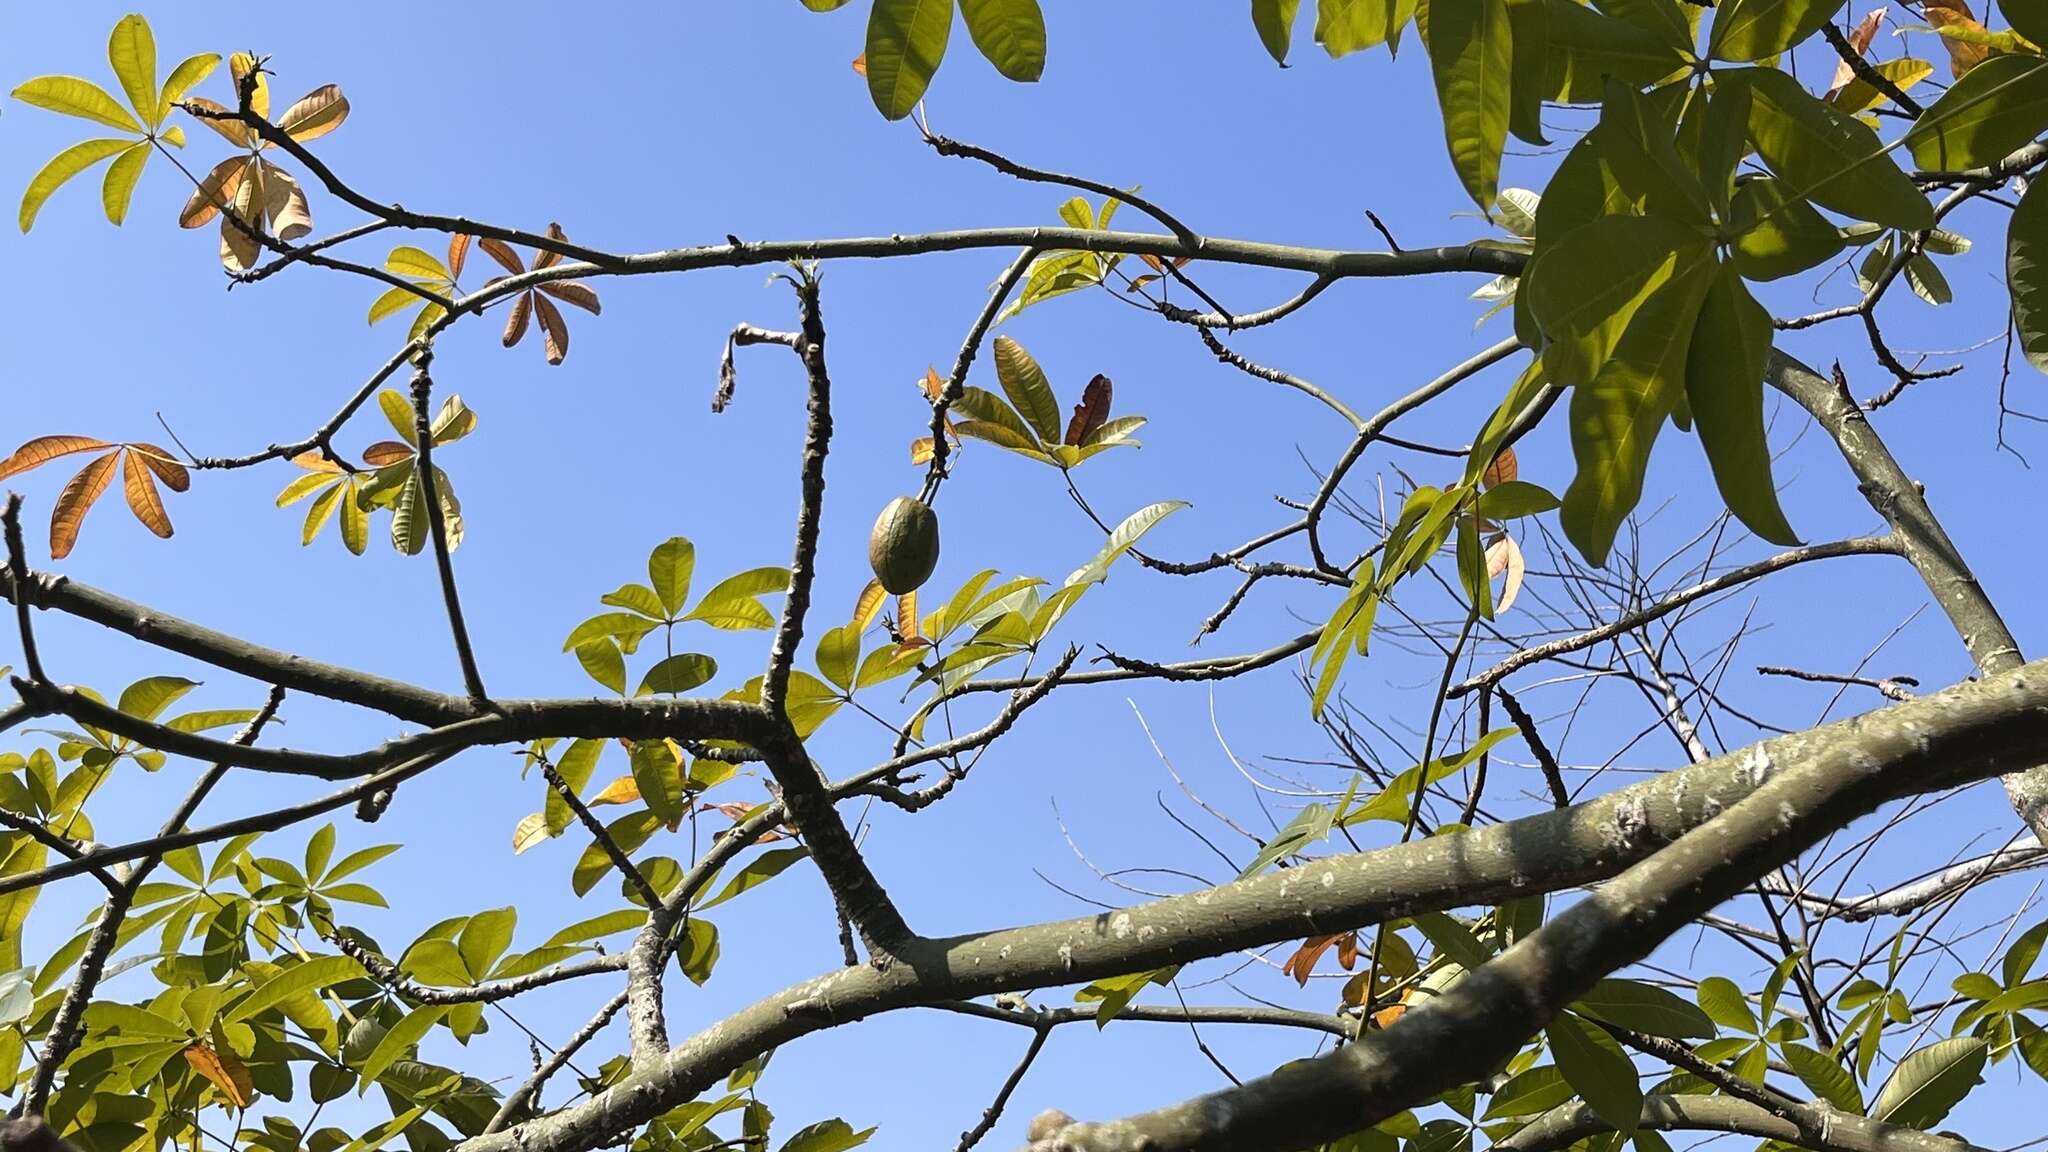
(313, 461)
(1347, 950)
(1152, 262)
(1962, 55)
(906, 617)
(934, 384)
(554, 331)
(1091, 411)
(236, 131)
(139, 485)
(166, 466)
(75, 501)
(569, 291)
(860, 64)
(921, 450)
(458, 251)
(515, 322)
(1859, 39)
(1303, 962)
(502, 252)
(226, 1072)
(1503, 469)
(44, 449)
(214, 193)
(864, 608)
(1385, 1017)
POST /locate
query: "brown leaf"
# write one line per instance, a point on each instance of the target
(313, 461)
(214, 193)
(1504, 555)
(44, 449)
(166, 466)
(138, 484)
(860, 64)
(554, 331)
(906, 617)
(502, 252)
(921, 450)
(571, 292)
(285, 203)
(385, 452)
(543, 259)
(316, 114)
(1859, 39)
(1385, 1017)
(736, 811)
(870, 602)
(75, 501)
(239, 247)
(1503, 469)
(934, 384)
(515, 321)
(236, 131)
(225, 1070)
(458, 251)
(1962, 56)
(1303, 962)
(1091, 411)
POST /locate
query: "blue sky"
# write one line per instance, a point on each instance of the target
(656, 127)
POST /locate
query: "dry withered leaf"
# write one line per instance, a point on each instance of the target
(385, 452)
(44, 449)
(138, 484)
(1303, 962)
(1091, 412)
(1503, 469)
(1962, 55)
(75, 501)
(1860, 38)
(226, 1072)
(1504, 555)
(534, 302)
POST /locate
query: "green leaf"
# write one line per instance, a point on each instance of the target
(1471, 56)
(311, 976)
(598, 927)
(638, 599)
(625, 627)
(2026, 272)
(758, 871)
(669, 568)
(1010, 34)
(1724, 387)
(1995, 108)
(1926, 280)
(660, 777)
(1121, 539)
(678, 673)
(62, 167)
(731, 603)
(1527, 1093)
(2019, 958)
(75, 97)
(827, 1136)
(1824, 1078)
(485, 938)
(1724, 1004)
(1747, 30)
(602, 659)
(1598, 1070)
(1393, 802)
(1776, 236)
(698, 952)
(905, 42)
(1024, 383)
(1514, 500)
(397, 1042)
(1472, 572)
(1616, 417)
(132, 51)
(1824, 156)
(1274, 20)
(1645, 1008)
(1929, 1082)
(358, 860)
(392, 302)
(1584, 48)
(1587, 288)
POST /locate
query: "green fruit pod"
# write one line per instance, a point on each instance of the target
(904, 547)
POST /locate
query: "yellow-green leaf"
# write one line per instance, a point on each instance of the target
(63, 166)
(1010, 33)
(1025, 384)
(393, 300)
(407, 260)
(73, 96)
(1274, 20)
(2026, 273)
(1747, 30)
(119, 186)
(182, 79)
(1776, 237)
(132, 51)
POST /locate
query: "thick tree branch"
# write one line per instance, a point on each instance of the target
(1814, 1126)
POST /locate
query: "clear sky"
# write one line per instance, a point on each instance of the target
(642, 127)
